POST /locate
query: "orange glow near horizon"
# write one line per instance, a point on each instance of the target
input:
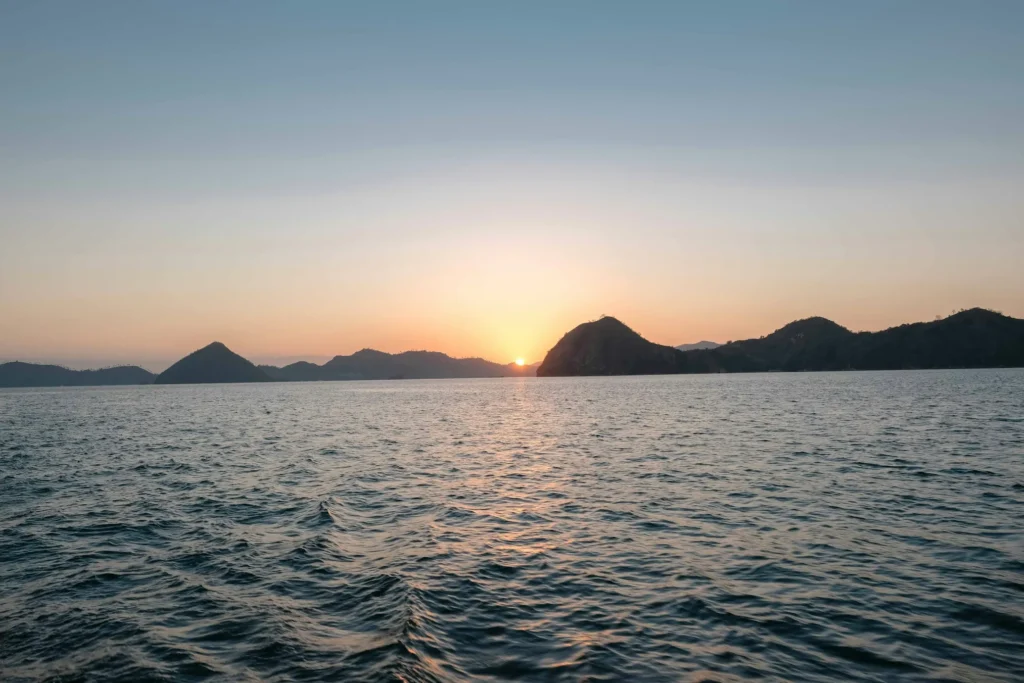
(447, 280)
(277, 335)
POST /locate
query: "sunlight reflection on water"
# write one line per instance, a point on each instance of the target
(859, 526)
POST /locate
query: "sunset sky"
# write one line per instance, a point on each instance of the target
(308, 179)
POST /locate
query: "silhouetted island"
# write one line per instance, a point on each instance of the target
(370, 364)
(976, 338)
(213, 364)
(18, 374)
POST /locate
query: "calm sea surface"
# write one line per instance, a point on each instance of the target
(849, 526)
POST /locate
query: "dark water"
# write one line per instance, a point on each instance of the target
(856, 526)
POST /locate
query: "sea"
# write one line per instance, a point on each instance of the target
(858, 526)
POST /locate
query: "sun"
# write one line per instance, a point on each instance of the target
(520, 362)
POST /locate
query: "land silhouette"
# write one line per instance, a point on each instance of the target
(370, 364)
(212, 364)
(216, 363)
(18, 374)
(973, 338)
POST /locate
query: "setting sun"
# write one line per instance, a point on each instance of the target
(520, 362)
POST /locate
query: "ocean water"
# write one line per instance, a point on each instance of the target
(809, 527)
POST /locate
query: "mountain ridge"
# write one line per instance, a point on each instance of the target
(971, 338)
(20, 374)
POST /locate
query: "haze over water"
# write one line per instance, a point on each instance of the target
(835, 526)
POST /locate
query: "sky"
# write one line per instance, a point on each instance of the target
(299, 180)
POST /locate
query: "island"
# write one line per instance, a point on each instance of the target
(975, 338)
(212, 364)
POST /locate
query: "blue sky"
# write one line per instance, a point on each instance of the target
(478, 178)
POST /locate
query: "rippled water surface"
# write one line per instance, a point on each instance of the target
(852, 526)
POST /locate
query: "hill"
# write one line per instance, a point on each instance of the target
(809, 344)
(609, 347)
(970, 339)
(19, 374)
(974, 338)
(212, 364)
(371, 364)
(301, 371)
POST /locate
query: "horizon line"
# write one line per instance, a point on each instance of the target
(255, 358)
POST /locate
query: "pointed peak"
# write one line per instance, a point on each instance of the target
(214, 363)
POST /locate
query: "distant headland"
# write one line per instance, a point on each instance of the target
(975, 338)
